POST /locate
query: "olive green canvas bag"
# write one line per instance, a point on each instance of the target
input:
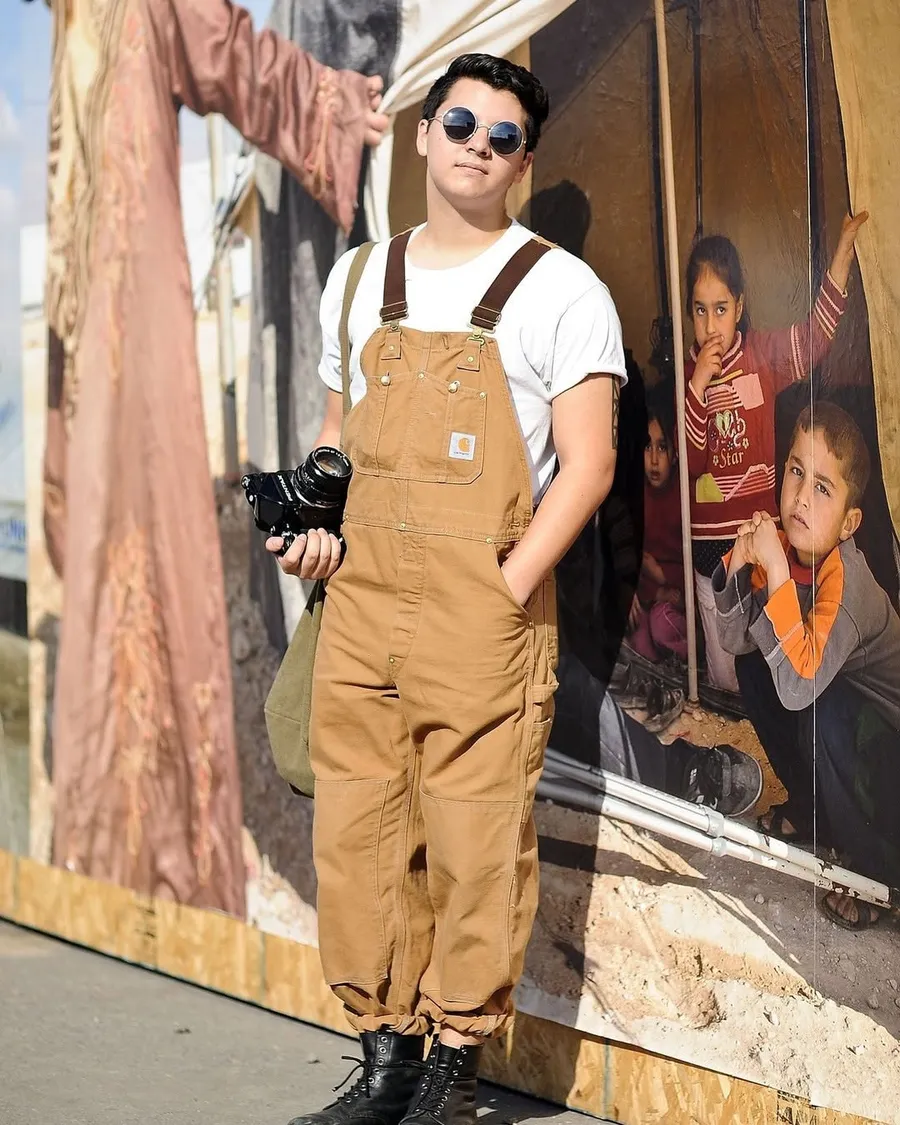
(288, 704)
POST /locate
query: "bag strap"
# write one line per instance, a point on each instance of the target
(356, 269)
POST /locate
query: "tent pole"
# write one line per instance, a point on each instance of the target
(604, 804)
(713, 824)
(665, 106)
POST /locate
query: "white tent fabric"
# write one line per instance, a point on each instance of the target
(433, 33)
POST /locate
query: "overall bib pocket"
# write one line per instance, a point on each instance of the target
(419, 428)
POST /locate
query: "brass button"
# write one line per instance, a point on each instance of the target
(391, 348)
(483, 394)
(385, 380)
(453, 387)
(390, 660)
(421, 374)
(489, 540)
(402, 526)
(470, 359)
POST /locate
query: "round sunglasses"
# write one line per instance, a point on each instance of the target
(461, 124)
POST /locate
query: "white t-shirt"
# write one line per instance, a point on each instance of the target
(559, 326)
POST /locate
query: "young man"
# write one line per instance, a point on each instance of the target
(820, 670)
(480, 357)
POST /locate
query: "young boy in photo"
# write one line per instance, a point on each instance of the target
(818, 648)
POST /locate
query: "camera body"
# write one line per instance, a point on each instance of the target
(291, 502)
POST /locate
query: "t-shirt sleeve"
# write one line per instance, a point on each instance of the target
(330, 321)
(588, 341)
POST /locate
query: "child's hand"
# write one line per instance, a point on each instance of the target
(651, 567)
(763, 542)
(709, 365)
(738, 553)
(843, 255)
(670, 595)
(762, 547)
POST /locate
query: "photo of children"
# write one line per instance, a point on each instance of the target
(818, 657)
(733, 375)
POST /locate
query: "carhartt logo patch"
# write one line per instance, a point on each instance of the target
(462, 446)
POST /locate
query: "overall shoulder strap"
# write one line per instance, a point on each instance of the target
(395, 307)
(356, 269)
(487, 314)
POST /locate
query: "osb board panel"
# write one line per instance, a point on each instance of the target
(627, 1085)
(210, 949)
(538, 1057)
(7, 884)
(102, 916)
(294, 986)
(545, 1059)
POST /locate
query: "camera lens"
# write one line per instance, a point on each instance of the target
(331, 461)
(324, 476)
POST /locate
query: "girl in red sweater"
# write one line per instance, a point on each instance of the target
(733, 374)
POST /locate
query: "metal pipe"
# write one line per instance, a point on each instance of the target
(618, 809)
(711, 823)
(665, 106)
(694, 17)
(659, 217)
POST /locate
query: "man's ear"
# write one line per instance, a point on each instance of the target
(526, 164)
(422, 138)
(851, 523)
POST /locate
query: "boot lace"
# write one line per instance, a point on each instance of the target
(433, 1097)
(360, 1087)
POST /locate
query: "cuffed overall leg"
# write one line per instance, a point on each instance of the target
(431, 711)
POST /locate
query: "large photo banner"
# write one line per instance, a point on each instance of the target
(717, 817)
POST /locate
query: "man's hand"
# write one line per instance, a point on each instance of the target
(376, 123)
(316, 555)
(709, 365)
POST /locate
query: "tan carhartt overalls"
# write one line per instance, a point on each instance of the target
(432, 700)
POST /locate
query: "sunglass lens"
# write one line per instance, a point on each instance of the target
(459, 123)
(506, 138)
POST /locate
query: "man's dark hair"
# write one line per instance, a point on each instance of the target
(499, 74)
(845, 442)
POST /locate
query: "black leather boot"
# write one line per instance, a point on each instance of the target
(392, 1069)
(446, 1094)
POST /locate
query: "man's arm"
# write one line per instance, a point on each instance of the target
(330, 434)
(311, 118)
(585, 433)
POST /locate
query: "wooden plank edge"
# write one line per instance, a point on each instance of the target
(540, 1058)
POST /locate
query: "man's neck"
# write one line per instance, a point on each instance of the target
(451, 237)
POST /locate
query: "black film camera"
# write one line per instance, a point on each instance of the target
(293, 502)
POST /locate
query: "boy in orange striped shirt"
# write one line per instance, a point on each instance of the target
(818, 647)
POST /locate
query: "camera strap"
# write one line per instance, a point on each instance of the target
(356, 269)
